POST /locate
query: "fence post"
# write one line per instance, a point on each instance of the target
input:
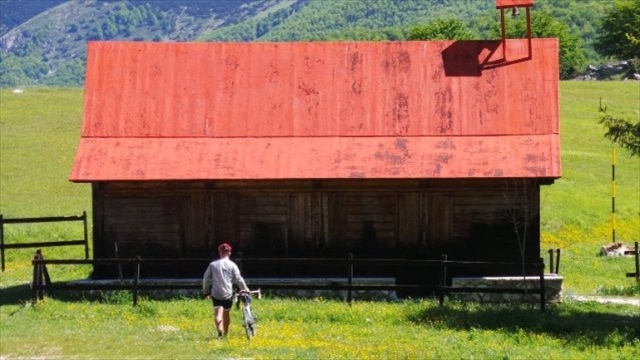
(43, 276)
(117, 254)
(637, 251)
(557, 262)
(551, 262)
(34, 280)
(238, 261)
(350, 279)
(543, 297)
(86, 235)
(136, 281)
(3, 246)
(37, 291)
(2, 240)
(443, 280)
(45, 272)
(636, 255)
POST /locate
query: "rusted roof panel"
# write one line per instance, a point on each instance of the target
(316, 97)
(316, 158)
(320, 89)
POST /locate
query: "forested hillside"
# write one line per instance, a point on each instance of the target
(15, 12)
(43, 42)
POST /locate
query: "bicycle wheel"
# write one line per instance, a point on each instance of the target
(249, 326)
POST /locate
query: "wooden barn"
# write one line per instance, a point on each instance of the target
(317, 149)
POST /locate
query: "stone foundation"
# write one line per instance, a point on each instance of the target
(327, 293)
(192, 288)
(552, 282)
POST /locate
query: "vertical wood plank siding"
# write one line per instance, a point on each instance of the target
(372, 219)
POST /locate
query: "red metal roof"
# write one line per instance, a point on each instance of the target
(446, 109)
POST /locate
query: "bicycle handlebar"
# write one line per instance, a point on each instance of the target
(251, 292)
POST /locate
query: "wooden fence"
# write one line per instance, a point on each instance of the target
(42, 283)
(636, 253)
(447, 264)
(554, 267)
(4, 246)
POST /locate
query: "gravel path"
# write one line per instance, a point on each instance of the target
(608, 299)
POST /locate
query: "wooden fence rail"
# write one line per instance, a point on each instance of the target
(41, 281)
(4, 246)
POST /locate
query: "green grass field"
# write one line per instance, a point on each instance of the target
(576, 209)
(39, 133)
(40, 130)
(319, 329)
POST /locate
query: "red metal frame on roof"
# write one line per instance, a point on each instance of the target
(325, 110)
(514, 5)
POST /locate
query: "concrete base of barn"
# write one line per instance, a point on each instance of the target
(327, 293)
(192, 288)
(552, 282)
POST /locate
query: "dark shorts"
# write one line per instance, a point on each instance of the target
(226, 304)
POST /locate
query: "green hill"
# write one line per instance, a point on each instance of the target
(16, 12)
(43, 43)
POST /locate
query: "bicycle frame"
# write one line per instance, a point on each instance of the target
(248, 320)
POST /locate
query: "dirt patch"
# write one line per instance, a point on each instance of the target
(608, 300)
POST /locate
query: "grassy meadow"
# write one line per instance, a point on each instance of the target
(319, 329)
(39, 133)
(576, 209)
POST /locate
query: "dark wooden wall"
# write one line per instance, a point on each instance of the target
(466, 219)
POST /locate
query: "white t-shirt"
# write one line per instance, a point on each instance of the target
(219, 278)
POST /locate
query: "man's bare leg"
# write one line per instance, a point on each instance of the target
(226, 320)
(219, 320)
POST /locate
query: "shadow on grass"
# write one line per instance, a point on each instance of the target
(578, 324)
(21, 294)
(15, 295)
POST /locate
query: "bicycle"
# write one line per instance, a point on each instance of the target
(248, 319)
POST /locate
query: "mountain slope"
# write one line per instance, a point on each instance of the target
(44, 43)
(50, 47)
(315, 20)
(16, 12)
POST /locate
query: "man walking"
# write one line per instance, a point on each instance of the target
(217, 284)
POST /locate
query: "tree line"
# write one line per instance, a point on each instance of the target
(589, 31)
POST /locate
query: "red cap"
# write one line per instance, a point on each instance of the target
(224, 248)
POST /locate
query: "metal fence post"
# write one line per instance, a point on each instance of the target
(117, 254)
(443, 280)
(136, 281)
(238, 261)
(551, 263)
(2, 240)
(637, 251)
(557, 262)
(543, 299)
(86, 235)
(350, 279)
